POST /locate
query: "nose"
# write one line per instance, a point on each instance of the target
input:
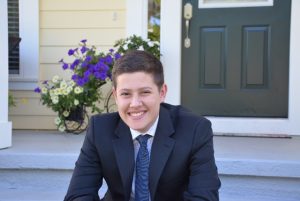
(135, 101)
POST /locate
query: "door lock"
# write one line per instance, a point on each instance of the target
(187, 14)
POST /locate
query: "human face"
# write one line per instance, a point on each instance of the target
(138, 99)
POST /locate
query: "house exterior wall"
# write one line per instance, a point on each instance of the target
(63, 23)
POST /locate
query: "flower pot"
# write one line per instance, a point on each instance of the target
(77, 121)
(77, 114)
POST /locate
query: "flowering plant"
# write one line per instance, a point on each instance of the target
(137, 43)
(89, 71)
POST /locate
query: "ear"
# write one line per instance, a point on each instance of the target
(163, 92)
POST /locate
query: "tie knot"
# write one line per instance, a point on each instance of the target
(142, 139)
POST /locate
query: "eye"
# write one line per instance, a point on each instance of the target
(124, 94)
(146, 92)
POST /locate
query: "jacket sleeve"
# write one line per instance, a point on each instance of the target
(204, 182)
(87, 176)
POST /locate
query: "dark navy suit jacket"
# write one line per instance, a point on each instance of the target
(182, 164)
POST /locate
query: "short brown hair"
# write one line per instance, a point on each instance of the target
(139, 61)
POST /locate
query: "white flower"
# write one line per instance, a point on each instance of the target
(51, 92)
(56, 92)
(156, 42)
(151, 44)
(44, 90)
(125, 47)
(55, 78)
(72, 83)
(61, 128)
(69, 89)
(141, 48)
(76, 102)
(54, 99)
(65, 92)
(78, 90)
(57, 120)
(63, 84)
(66, 113)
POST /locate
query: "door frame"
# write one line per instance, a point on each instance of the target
(171, 51)
(171, 58)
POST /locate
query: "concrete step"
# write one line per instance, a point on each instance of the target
(39, 165)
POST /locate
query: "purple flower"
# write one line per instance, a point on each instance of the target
(102, 60)
(84, 64)
(37, 90)
(104, 68)
(75, 77)
(85, 80)
(70, 52)
(100, 75)
(74, 64)
(88, 58)
(108, 59)
(80, 82)
(83, 49)
(87, 74)
(97, 67)
(65, 66)
(83, 40)
(111, 50)
(117, 56)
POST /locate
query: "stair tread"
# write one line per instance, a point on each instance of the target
(234, 155)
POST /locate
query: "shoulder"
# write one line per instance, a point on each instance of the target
(180, 114)
(106, 116)
(105, 120)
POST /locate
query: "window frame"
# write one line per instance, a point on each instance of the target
(29, 47)
(203, 4)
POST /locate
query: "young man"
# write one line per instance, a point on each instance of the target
(149, 150)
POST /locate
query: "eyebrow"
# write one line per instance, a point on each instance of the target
(143, 88)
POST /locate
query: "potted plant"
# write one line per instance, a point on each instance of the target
(89, 71)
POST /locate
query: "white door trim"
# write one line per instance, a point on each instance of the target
(5, 125)
(171, 51)
(137, 17)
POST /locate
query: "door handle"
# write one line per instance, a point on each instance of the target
(187, 14)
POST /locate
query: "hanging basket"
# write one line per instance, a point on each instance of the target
(77, 121)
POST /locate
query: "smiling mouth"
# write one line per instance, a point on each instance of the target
(136, 114)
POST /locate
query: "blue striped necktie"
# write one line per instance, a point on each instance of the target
(142, 169)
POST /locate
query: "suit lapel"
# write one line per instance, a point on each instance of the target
(124, 153)
(161, 148)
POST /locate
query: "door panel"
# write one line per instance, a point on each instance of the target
(238, 61)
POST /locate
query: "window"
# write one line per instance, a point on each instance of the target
(13, 36)
(143, 18)
(26, 76)
(154, 20)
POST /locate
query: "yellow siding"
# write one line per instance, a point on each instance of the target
(63, 23)
(47, 71)
(71, 37)
(56, 5)
(51, 55)
(84, 19)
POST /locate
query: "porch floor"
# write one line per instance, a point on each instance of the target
(237, 156)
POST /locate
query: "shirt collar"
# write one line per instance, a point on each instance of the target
(151, 130)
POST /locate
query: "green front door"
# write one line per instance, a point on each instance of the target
(238, 61)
